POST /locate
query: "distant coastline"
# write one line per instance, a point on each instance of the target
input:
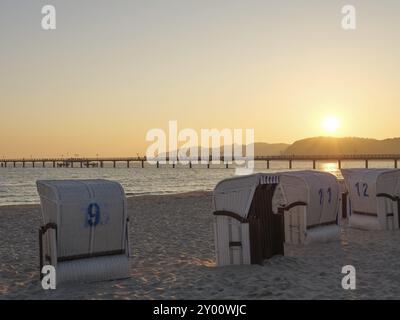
(305, 147)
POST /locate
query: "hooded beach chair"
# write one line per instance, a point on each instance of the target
(310, 202)
(255, 215)
(245, 229)
(374, 198)
(85, 231)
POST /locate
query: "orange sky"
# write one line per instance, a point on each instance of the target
(105, 77)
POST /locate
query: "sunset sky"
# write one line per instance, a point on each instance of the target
(115, 69)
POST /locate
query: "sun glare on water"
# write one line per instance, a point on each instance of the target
(330, 124)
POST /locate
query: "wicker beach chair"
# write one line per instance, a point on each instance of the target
(85, 229)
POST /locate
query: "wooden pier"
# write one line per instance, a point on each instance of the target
(128, 161)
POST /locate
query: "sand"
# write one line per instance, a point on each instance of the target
(173, 258)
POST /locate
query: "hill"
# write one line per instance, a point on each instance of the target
(339, 146)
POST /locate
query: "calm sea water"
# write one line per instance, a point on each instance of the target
(18, 185)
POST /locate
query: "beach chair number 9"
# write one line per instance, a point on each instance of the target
(362, 190)
(321, 195)
(93, 214)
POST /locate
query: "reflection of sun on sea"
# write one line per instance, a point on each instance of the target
(331, 167)
(330, 124)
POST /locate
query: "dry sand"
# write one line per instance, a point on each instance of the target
(173, 258)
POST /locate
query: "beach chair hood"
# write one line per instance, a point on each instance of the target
(236, 194)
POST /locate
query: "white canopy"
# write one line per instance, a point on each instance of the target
(236, 194)
(364, 184)
(319, 190)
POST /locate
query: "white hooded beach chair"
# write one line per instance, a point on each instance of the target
(310, 203)
(374, 198)
(246, 230)
(85, 231)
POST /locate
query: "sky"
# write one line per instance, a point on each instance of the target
(113, 70)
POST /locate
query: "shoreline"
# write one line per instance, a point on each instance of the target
(130, 196)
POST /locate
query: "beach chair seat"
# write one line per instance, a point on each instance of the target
(85, 229)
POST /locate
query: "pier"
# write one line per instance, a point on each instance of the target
(98, 162)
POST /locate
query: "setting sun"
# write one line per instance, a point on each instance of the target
(330, 124)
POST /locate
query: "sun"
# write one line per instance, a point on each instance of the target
(331, 124)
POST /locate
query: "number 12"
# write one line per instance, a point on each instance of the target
(364, 189)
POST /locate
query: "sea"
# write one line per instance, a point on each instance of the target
(18, 185)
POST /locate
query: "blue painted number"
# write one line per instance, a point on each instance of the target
(93, 214)
(362, 190)
(321, 195)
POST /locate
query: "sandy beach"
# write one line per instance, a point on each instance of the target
(173, 258)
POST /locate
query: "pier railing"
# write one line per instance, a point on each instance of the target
(226, 161)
